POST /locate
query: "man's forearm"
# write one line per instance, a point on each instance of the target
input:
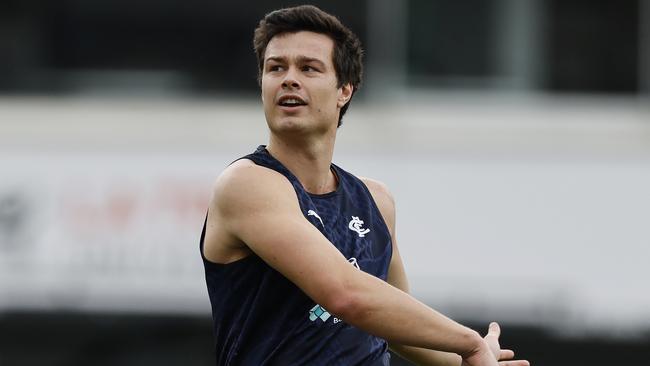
(426, 357)
(387, 312)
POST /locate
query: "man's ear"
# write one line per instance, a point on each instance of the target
(345, 93)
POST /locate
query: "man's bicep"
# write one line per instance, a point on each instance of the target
(295, 248)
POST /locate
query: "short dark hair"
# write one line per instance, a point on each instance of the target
(347, 55)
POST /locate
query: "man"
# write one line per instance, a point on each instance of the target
(301, 261)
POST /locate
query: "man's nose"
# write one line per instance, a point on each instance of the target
(290, 79)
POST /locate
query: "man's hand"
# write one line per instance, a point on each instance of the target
(492, 352)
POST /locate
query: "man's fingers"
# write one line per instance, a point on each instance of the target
(506, 354)
(514, 363)
(494, 329)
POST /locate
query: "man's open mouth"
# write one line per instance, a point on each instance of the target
(291, 101)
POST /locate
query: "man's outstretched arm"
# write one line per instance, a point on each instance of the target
(259, 207)
(397, 277)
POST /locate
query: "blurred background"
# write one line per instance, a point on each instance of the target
(514, 134)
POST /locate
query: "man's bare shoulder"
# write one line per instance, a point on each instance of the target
(379, 190)
(243, 169)
(383, 198)
(243, 195)
(244, 183)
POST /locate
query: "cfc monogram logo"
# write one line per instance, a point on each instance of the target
(356, 225)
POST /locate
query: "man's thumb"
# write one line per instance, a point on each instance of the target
(494, 329)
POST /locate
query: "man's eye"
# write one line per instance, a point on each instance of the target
(275, 68)
(308, 68)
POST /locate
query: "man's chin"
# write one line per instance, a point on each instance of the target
(290, 124)
(298, 126)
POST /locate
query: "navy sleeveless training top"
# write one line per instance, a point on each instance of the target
(261, 318)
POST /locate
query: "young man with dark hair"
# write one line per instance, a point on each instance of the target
(300, 256)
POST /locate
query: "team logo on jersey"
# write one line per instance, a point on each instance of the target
(319, 312)
(313, 213)
(356, 225)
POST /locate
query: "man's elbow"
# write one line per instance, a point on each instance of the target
(347, 306)
(348, 296)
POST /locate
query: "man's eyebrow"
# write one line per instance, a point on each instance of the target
(305, 59)
(301, 59)
(276, 59)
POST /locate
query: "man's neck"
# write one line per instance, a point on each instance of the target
(309, 160)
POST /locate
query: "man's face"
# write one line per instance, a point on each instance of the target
(299, 85)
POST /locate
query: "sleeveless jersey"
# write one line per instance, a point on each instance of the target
(261, 318)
